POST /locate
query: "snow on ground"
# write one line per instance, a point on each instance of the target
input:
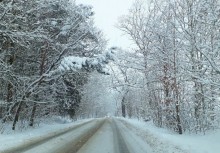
(164, 141)
(134, 143)
(16, 138)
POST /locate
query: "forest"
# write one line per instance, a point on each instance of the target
(55, 61)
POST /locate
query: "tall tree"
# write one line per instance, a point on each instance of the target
(36, 36)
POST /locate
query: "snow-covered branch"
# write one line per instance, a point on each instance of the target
(96, 63)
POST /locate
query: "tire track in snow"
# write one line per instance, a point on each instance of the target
(119, 142)
(101, 141)
(77, 145)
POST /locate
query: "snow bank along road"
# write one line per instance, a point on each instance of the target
(107, 135)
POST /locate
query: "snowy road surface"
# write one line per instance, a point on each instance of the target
(113, 137)
(97, 136)
(108, 135)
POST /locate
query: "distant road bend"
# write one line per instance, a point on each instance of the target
(107, 135)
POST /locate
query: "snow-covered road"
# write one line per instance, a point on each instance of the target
(69, 140)
(114, 137)
(107, 135)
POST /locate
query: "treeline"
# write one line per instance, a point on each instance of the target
(34, 37)
(179, 41)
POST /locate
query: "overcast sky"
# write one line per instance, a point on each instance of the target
(106, 17)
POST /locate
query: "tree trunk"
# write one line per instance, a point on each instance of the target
(17, 114)
(177, 101)
(42, 66)
(31, 123)
(1, 112)
(179, 127)
(123, 108)
(9, 97)
(10, 92)
(19, 109)
(176, 87)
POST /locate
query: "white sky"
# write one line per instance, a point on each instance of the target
(106, 17)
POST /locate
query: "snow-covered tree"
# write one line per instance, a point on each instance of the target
(178, 40)
(35, 38)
